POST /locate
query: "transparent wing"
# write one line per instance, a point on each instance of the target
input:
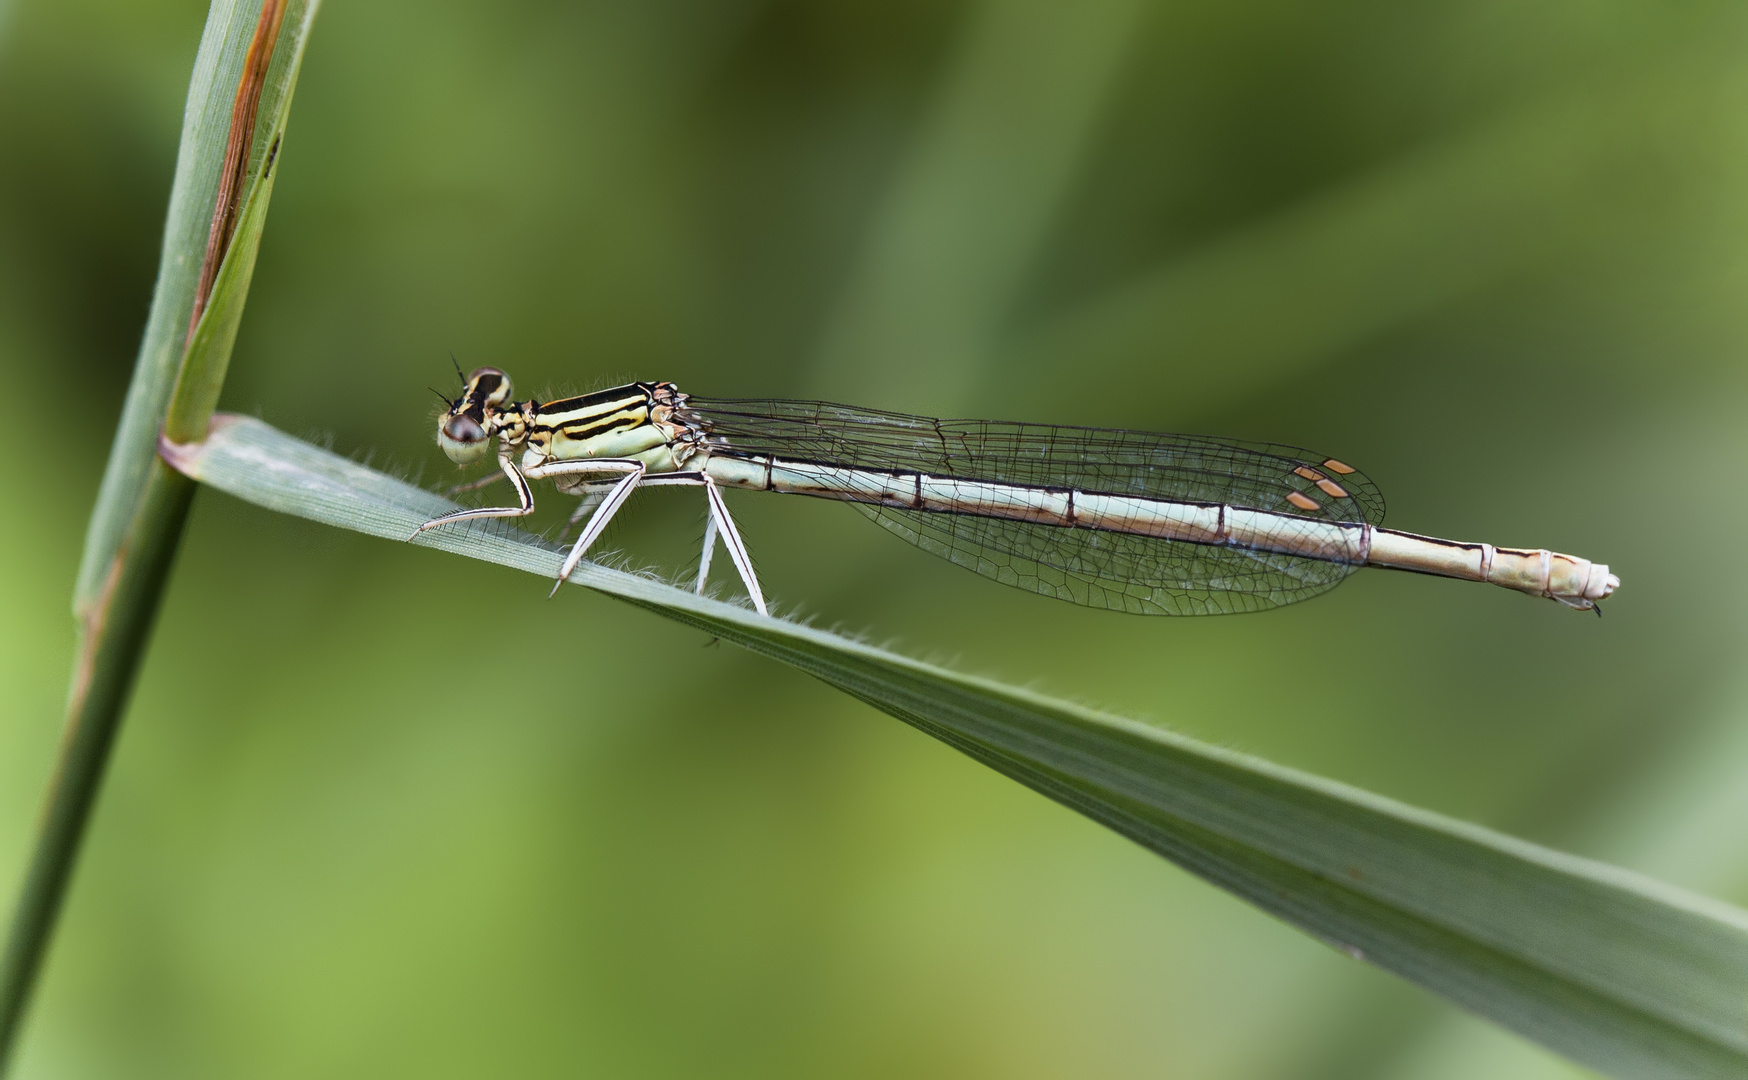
(1096, 568)
(1142, 575)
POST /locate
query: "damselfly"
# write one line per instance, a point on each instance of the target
(1125, 520)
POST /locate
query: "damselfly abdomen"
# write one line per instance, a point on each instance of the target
(1126, 520)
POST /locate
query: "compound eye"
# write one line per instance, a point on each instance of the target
(489, 385)
(462, 438)
(463, 429)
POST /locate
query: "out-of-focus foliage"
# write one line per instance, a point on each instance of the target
(413, 817)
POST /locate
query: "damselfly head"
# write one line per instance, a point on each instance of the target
(465, 432)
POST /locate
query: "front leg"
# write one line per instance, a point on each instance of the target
(524, 498)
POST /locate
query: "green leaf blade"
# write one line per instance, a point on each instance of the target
(1611, 968)
(206, 125)
(142, 505)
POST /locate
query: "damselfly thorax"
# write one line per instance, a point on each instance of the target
(1126, 520)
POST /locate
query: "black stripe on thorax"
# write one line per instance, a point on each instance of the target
(591, 414)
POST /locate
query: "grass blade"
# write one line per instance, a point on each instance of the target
(1608, 967)
(200, 168)
(246, 69)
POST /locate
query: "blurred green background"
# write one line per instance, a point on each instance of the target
(379, 810)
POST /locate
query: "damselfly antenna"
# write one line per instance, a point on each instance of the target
(457, 364)
(441, 396)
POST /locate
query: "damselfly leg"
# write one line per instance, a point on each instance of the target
(591, 498)
(604, 507)
(718, 523)
(524, 498)
(473, 485)
(631, 467)
(709, 549)
(634, 471)
(737, 550)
